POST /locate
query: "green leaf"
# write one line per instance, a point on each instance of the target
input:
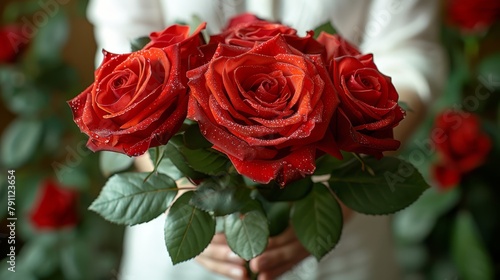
(139, 43)
(157, 154)
(395, 186)
(405, 106)
(317, 221)
(163, 164)
(111, 162)
(206, 161)
(72, 258)
(278, 214)
(174, 153)
(414, 223)
(188, 230)
(51, 38)
(327, 163)
(412, 257)
(24, 274)
(468, 251)
(71, 176)
(291, 192)
(195, 163)
(126, 199)
(20, 141)
(221, 199)
(489, 72)
(167, 167)
(53, 134)
(442, 268)
(28, 100)
(194, 139)
(247, 233)
(19, 94)
(325, 27)
(39, 256)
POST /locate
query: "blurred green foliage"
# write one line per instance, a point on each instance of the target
(452, 234)
(42, 142)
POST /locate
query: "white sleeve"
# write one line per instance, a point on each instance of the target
(118, 22)
(404, 38)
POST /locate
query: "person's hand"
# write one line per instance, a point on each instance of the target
(219, 258)
(283, 252)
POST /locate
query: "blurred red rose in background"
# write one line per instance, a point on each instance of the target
(473, 15)
(12, 43)
(55, 207)
(462, 147)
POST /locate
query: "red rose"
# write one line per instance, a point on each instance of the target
(336, 46)
(246, 30)
(473, 15)
(368, 109)
(55, 207)
(445, 176)
(266, 108)
(241, 19)
(13, 43)
(177, 34)
(462, 147)
(307, 44)
(138, 100)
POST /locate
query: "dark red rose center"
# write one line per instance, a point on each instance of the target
(264, 87)
(122, 86)
(365, 88)
(266, 93)
(118, 83)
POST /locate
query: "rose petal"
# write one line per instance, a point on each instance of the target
(352, 140)
(296, 165)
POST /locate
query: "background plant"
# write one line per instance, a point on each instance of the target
(41, 144)
(450, 233)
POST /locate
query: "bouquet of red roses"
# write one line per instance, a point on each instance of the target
(249, 118)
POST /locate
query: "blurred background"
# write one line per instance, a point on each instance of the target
(47, 57)
(47, 54)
